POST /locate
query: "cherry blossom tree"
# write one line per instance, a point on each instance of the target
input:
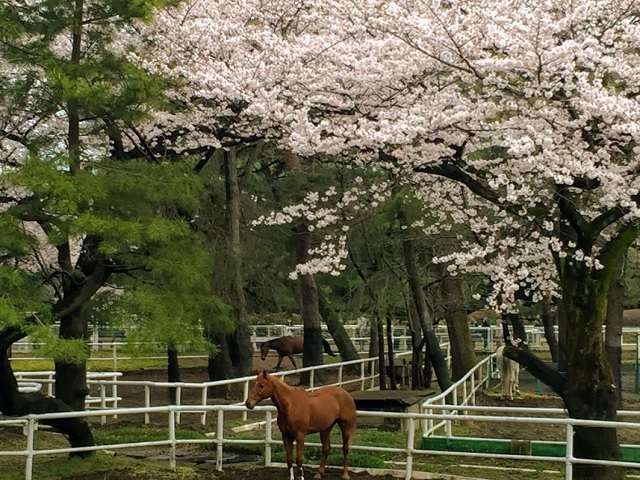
(516, 118)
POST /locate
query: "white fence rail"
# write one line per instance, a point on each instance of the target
(409, 450)
(460, 394)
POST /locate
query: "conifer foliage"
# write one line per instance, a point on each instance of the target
(83, 210)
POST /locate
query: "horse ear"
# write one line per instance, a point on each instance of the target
(264, 373)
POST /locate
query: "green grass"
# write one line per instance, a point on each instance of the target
(99, 466)
(107, 434)
(105, 363)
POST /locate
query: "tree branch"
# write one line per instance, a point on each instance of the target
(536, 367)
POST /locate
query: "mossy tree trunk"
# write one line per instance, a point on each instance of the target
(13, 403)
(463, 357)
(588, 387)
(336, 329)
(173, 372)
(433, 347)
(309, 308)
(613, 329)
(548, 322)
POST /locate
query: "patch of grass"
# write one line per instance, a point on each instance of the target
(102, 362)
(107, 435)
(98, 466)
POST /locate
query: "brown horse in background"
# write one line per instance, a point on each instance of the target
(287, 347)
(301, 413)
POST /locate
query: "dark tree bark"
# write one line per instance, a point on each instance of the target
(381, 355)
(235, 355)
(16, 404)
(433, 347)
(588, 388)
(336, 329)
(309, 308)
(613, 328)
(71, 378)
(173, 372)
(393, 383)
(374, 344)
(418, 380)
(548, 322)
(220, 366)
(562, 338)
(239, 341)
(463, 357)
(518, 331)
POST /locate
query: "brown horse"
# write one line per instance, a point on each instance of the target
(301, 412)
(287, 347)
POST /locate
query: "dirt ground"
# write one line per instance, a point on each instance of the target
(244, 473)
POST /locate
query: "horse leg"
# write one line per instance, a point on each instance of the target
(280, 357)
(299, 455)
(348, 428)
(292, 361)
(288, 448)
(326, 448)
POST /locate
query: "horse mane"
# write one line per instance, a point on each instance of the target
(277, 378)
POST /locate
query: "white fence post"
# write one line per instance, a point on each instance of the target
(204, 401)
(245, 392)
(178, 402)
(568, 471)
(219, 439)
(114, 356)
(147, 402)
(172, 439)
(410, 441)
(267, 437)
(31, 433)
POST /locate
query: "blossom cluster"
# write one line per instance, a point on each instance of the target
(527, 99)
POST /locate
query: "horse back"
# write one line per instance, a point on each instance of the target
(334, 398)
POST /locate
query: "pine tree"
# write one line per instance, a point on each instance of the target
(88, 220)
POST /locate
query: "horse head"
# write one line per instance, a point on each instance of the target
(264, 350)
(262, 388)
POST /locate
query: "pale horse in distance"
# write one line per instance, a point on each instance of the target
(509, 374)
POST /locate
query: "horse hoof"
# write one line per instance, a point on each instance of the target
(317, 475)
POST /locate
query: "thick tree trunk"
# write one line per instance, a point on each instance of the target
(220, 366)
(433, 347)
(173, 372)
(562, 338)
(463, 357)
(309, 308)
(235, 356)
(587, 389)
(613, 329)
(381, 355)
(588, 393)
(418, 381)
(393, 382)
(71, 378)
(16, 404)
(549, 332)
(340, 336)
(239, 341)
(374, 344)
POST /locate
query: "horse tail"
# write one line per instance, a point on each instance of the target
(327, 348)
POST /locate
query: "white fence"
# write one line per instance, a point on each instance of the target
(409, 450)
(438, 412)
(359, 335)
